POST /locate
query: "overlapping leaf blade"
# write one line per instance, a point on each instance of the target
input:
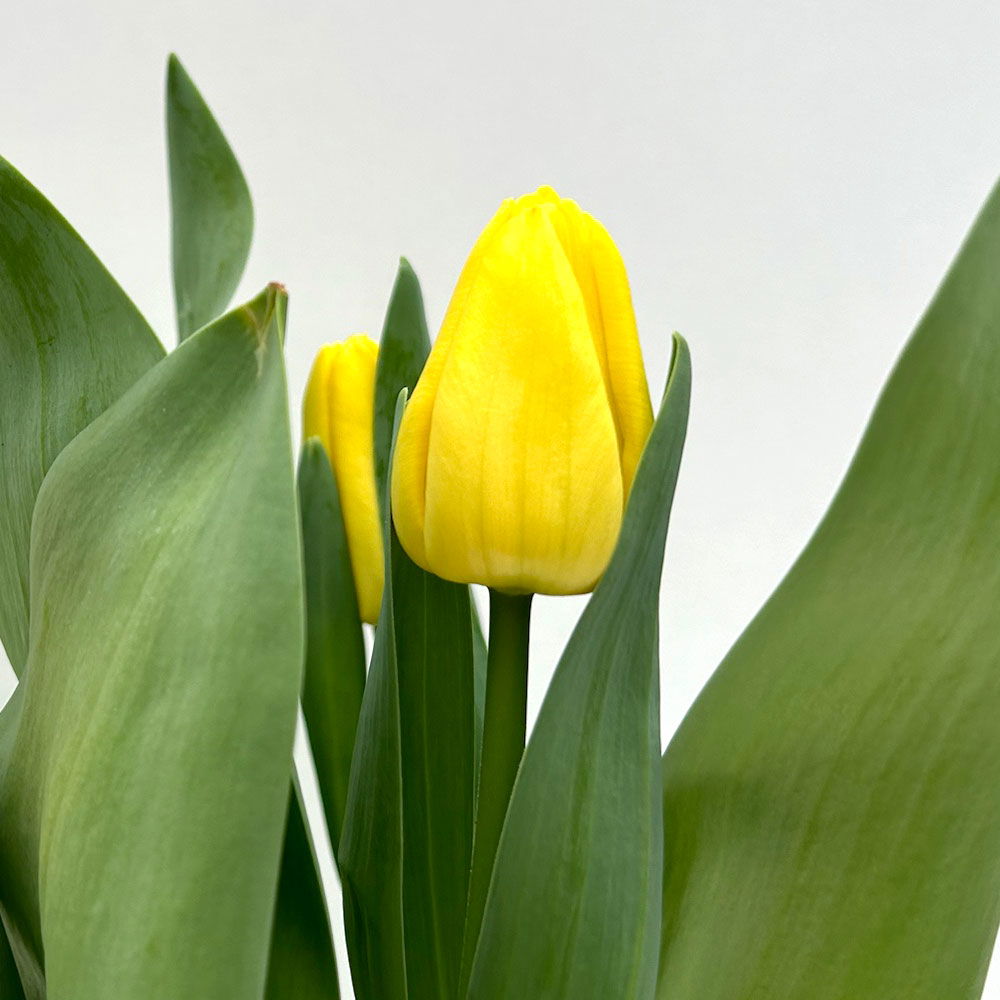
(144, 798)
(302, 965)
(212, 226)
(402, 351)
(832, 801)
(371, 844)
(335, 644)
(211, 210)
(435, 668)
(573, 905)
(10, 982)
(71, 343)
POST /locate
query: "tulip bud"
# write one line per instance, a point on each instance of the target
(518, 447)
(338, 409)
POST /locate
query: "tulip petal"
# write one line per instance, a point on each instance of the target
(600, 274)
(409, 471)
(524, 487)
(338, 407)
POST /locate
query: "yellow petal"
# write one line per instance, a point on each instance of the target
(338, 408)
(409, 471)
(600, 273)
(523, 487)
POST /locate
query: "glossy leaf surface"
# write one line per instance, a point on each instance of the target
(573, 907)
(832, 801)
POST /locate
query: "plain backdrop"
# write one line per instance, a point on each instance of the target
(787, 181)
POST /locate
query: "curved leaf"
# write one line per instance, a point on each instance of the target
(211, 211)
(71, 343)
(832, 801)
(573, 905)
(145, 794)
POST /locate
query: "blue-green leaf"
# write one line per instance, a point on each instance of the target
(371, 843)
(335, 644)
(402, 351)
(435, 669)
(573, 907)
(71, 343)
(211, 211)
(145, 792)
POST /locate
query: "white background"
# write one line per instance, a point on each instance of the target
(787, 182)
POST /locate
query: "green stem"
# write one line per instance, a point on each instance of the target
(504, 724)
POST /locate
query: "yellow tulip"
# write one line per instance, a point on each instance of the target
(338, 407)
(518, 447)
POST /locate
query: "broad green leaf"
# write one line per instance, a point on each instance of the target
(573, 907)
(302, 965)
(145, 795)
(371, 842)
(335, 644)
(832, 801)
(433, 627)
(211, 211)
(71, 343)
(212, 227)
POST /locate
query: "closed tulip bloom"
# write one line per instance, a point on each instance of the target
(338, 409)
(518, 447)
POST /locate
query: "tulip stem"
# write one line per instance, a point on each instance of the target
(504, 725)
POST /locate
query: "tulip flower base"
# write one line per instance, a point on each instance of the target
(172, 590)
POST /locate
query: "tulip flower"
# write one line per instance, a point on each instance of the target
(516, 452)
(517, 449)
(338, 408)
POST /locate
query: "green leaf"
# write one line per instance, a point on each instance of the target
(832, 801)
(335, 644)
(71, 343)
(10, 982)
(435, 671)
(211, 211)
(573, 908)
(145, 794)
(402, 351)
(479, 652)
(10, 979)
(302, 965)
(371, 843)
